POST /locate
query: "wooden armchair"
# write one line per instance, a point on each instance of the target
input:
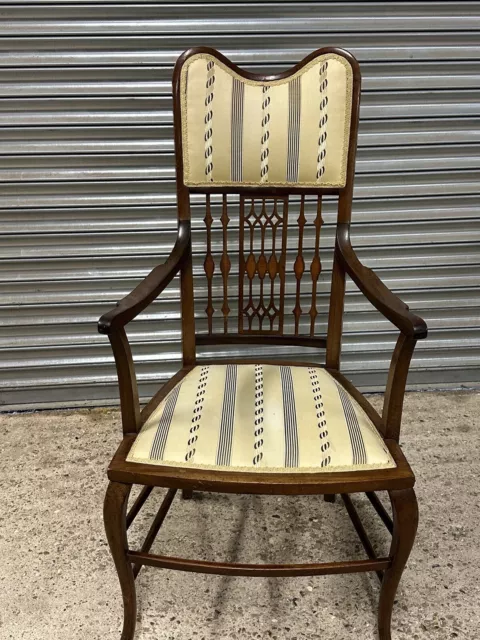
(260, 151)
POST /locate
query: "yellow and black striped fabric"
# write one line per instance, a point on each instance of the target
(260, 418)
(284, 132)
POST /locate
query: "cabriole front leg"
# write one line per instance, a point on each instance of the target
(405, 521)
(115, 520)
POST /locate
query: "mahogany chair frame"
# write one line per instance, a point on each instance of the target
(398, 481)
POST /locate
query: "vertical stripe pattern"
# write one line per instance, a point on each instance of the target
(322, 125)
(209, 120)
(321, 420)
(294, 109)
(224, 451)
(158, 444)
(289, 418)
(356, 439)
(265, 133)
(260, 417)
(258, 433)
(197, 414)
(290, 132)
(236, 158)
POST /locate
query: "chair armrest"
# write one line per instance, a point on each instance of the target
(375, 291)
(143, 294)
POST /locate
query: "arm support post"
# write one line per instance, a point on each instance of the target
(396, 383)
(114, 321)
(127, 381)
(412, 328)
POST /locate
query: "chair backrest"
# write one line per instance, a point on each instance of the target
(260, 151)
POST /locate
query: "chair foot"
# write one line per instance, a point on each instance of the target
(329, 497)
(405, 521)
(114, 516)
(187, 494)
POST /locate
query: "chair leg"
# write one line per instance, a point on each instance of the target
(405, 521)
(187, 494)
(114, 516)
(329, 497)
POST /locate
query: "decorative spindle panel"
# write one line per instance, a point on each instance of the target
(299, 266)
(263, 245)
(247, 240)
(225, 262)
(316, 266)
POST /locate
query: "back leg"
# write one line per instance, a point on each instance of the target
(115, 520)
(405, 522)
(329, 497)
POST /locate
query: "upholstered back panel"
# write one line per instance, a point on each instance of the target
(288, 132)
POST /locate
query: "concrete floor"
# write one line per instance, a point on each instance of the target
(57, 580)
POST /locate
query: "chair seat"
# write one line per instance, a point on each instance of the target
(264, 418)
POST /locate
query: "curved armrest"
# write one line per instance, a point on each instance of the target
(373, 288)
(156, 281)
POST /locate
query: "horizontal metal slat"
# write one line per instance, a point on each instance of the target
(141, 110)
(162, 166)
(151, 80)
(241, 47)
(152, 192)
(270, 17)
(159, 138)
(136, 218)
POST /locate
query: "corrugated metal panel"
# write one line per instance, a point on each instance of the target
(87, 202)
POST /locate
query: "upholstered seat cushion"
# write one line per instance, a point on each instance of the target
(260, 418)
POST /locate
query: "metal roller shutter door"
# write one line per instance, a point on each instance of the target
(87, 202)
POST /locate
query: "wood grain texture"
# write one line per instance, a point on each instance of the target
(360, 529)
(137, 505)
(380, 509)
(225, 263)
(317, 342)
(114, 517)
(405, 523)
(299, 265)
(335, 316)
(396, 384)
(155, 526)
(258, 570)
(189, 354)
(316, 265)
(127, 381)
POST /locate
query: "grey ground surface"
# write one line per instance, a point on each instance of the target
(57, 579)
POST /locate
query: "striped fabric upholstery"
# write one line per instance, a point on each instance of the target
(260, 418)
(284, 132)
